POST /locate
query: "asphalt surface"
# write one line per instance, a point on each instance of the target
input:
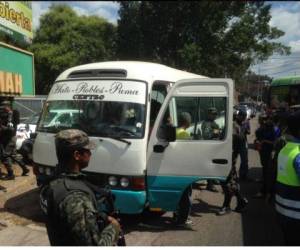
(22, 224)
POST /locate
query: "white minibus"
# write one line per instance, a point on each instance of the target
(131, 111)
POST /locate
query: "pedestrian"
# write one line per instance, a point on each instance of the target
(266, 137)
(231, 186)
(244, 130)
(287, 197)
(211, 131)
(73, 217)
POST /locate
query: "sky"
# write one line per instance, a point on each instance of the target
(285, 16)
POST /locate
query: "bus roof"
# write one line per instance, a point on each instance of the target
(289, 80)
(136, 70)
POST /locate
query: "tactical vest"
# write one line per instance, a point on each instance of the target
(50, 198)
(53, 194)
(287, 199)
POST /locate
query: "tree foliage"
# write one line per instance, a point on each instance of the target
(65, 39)
(213, 38)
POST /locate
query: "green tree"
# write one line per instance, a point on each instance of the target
(213, 38)
(65, 39)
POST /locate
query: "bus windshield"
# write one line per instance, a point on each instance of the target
(96, 118)
(107, 108)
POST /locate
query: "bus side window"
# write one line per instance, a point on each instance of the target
(196, 118)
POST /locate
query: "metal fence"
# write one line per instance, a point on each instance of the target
(27, 106)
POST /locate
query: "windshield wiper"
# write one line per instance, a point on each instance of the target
(122, 130)
(118, 139)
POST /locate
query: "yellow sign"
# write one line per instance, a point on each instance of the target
(17, 17)
(10, 83)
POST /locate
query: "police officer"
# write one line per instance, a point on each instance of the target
(73, 217)
(287, 194)
(210, 131)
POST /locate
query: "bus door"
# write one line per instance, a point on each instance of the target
(205, 150)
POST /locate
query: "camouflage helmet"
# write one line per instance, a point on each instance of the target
(73, 139)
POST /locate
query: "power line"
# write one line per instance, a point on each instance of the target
(270, 67)
(298, 69)
(287, 57)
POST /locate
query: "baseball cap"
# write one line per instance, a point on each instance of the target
(73, 139)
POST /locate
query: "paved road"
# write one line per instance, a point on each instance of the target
(21, 222)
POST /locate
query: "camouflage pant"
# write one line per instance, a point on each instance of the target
(231, 188)
(6, 153)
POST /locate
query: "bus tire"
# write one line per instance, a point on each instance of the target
(181, 215)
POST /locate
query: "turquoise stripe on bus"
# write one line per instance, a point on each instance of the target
(164, 192)
(130, 202)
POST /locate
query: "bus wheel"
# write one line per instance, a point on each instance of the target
(181, 215)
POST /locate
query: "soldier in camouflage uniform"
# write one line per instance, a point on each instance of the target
(231, 186)
(73, 216)
(7, 140)
(8, 126)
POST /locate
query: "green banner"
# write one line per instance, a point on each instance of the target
(16, 71)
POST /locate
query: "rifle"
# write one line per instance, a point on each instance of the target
(106, 202)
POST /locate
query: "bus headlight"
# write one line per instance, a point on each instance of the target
(112, 180)
(124, 182)
(41, 170)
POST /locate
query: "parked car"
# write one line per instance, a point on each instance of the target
(25, 128)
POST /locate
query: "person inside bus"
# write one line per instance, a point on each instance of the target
(184, 121)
